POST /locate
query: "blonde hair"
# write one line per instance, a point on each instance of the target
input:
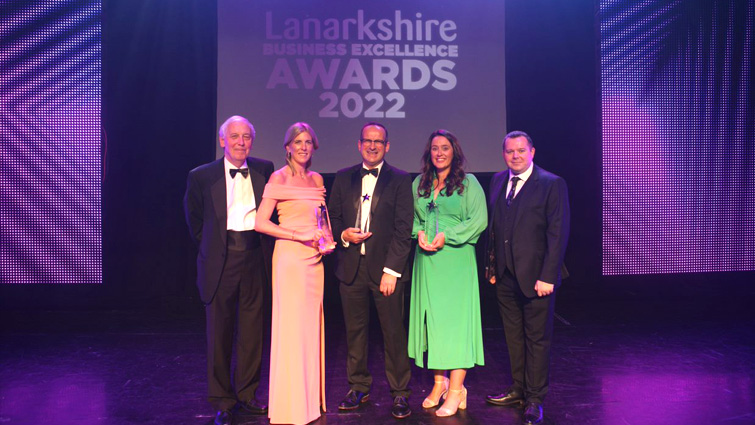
(292, 133)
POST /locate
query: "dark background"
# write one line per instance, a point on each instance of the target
(159, 100)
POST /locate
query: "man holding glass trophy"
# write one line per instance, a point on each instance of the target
(371, 216)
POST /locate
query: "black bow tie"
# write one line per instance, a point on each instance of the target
(363, 172)
(244, 172)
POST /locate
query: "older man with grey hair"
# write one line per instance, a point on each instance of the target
(233, 266)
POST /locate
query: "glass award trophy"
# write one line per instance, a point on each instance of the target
(358, 224)
(431, 221)
(326, 244)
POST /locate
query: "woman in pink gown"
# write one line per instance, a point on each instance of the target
(297, 386)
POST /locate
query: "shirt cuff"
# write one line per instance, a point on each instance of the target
(343, 242)
(391, 272)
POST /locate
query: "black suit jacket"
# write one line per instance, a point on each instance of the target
(391, 221)
(205, 206)
(541, 228)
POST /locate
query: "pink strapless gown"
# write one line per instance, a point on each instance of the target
(297, 362)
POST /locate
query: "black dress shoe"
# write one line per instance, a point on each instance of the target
(400, 408)
(507, 398)
(533, 413)
(353, 399)
(223, 417)
(253, 406)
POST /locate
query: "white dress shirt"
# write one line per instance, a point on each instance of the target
(241, 205)
(522, 179)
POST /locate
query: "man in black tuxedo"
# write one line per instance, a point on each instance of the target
(233, 266)
(529, 230)
(371, 210)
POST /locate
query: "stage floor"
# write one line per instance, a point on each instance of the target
(127, 367)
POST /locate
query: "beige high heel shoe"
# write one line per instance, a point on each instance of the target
(430, 403)
(446, 411)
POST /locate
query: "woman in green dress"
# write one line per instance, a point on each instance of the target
(450, 213)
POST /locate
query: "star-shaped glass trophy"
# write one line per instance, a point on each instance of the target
(365, 199)
(326, 244)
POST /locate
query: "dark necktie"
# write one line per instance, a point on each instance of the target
(514, 181)
(363, 172)
(244, 172)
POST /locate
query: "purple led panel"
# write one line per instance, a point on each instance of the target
(50, 159)
(677, 118)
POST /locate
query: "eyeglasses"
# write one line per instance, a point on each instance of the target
(372, 142)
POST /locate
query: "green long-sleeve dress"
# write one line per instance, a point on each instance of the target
(444, 314)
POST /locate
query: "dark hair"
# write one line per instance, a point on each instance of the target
(455, 179)
(376, 124)
(514, 134)
(292, 133)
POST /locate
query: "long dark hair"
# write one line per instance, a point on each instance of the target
(455, 179)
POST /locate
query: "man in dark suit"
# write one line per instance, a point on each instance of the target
(233, 266)
(371, 211)
(529, 230)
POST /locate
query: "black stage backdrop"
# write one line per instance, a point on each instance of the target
(159, 94)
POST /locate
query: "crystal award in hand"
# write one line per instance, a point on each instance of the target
(431, 221)
(326, 244)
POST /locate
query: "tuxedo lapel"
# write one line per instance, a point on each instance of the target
(219, 200)
(382, 182)
(356, 194)
(258, 182)
(498, 188)
(526, 193)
